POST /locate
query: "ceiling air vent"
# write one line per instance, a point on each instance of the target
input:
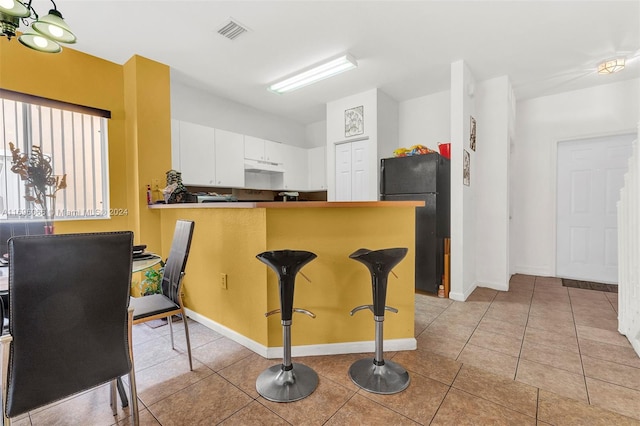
(232, 29)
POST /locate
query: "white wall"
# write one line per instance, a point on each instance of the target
(425, 120)
(336, 134)
(491, 180)
(387, 129)
(196, 106)
(463, 198)
(543, 122)
(316, 134)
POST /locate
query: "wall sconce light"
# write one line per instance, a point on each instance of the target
(611, 66)
(314, 74)
(45, 32)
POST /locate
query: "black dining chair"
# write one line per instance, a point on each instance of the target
(69, 319)
(11, 228)
(169, 303)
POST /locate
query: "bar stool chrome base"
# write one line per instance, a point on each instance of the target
(278, 385)
(383, 379)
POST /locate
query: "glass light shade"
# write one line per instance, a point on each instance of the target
(53, 27)
(609, 67)
(38, 42)
(14, 8)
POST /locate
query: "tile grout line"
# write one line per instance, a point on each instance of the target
(575, 326)
(515, 373)
(342, 406)
(538, 404)
(474, 329)
(446, 394)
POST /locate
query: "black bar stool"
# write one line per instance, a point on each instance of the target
(378, 375)
(288, 381)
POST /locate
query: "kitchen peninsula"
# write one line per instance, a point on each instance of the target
(229, 290)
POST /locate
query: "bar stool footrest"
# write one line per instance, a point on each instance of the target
(361, 307)
(304, 311)
(384, 379)
(278, 385)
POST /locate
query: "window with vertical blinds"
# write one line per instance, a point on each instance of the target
(74, 138)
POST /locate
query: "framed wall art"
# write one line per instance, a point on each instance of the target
(466, 168)
(354, 121)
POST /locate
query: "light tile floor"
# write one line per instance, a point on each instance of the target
(539, 354)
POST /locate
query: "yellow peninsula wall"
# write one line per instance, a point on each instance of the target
(227, 238)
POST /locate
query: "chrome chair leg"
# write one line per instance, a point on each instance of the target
(5, 344)
(112, 399)
(186, 335)
(170, 321)
(133, 391)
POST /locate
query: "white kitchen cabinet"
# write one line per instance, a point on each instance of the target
(295, 176)
(197, 154)
(263, 150)
(352, 171)
(215, 157)
(274, 152)
(253, 148)
(317, 162)
(229, 159)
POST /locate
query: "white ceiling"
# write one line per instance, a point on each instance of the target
(404, 48)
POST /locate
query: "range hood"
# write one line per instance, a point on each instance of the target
(256, 166)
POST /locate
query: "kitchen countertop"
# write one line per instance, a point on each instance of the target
(287, 204)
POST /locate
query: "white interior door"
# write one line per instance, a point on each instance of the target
(352, 171)
(590, 176)
(359, 171)
(343, 172)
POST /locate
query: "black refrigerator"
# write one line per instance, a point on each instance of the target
(425, 178)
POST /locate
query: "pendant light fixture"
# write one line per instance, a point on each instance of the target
(44, 34)
(611, 66)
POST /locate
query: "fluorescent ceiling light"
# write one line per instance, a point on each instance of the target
(609, 67)
(317, 73)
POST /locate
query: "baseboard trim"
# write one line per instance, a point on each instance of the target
(534, 270)
(461, 297)
(407, 344)
(227, 332)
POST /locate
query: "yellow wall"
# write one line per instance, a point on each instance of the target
(136, 93)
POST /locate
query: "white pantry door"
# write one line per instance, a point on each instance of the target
(590, 176)
(343, 172)
(352, 171)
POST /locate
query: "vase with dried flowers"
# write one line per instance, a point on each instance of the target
(41, 185)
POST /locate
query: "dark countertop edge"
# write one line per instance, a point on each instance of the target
(288, 205)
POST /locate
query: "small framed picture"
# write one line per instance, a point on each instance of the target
(354, 121)
(466, 168)
(472, 134)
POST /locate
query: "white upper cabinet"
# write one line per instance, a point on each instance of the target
(274, 152)
(229, 159)
(263, 150)
(216, 158)
(253, 148)
(197, 154)
(206, 156)
(295, 177)
(317, 161)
